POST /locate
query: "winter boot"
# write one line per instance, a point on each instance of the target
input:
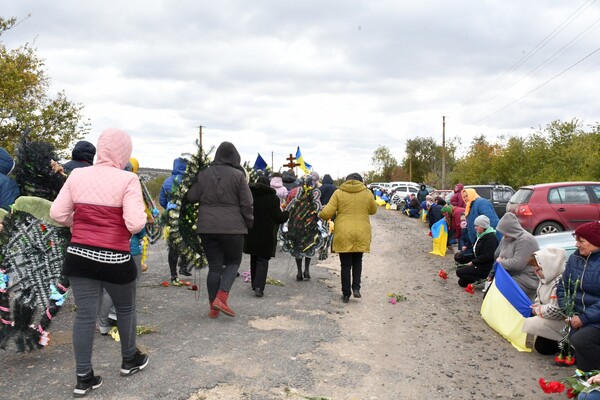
(299, 265)
(213, 313)
(306, 273)
(86, 383)
(220, 303)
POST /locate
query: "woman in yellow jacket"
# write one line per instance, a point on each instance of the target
(351, 205)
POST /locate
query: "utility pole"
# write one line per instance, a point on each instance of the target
(200, 133)
(443, 152)
(272, 164)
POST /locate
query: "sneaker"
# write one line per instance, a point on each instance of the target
(104, 330)
(134, 364)
(184, 272)
(86, 383)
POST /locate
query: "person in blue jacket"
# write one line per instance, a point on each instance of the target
(165, 196)
(9, 190)
(580, 287)
(477, 206)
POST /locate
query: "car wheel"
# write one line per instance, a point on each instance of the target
(547, 227)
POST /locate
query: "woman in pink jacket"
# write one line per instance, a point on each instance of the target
(103, 206)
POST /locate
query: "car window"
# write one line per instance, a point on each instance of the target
(568, 195)
(502, 194)
(486, 193)
(596, 190)
(522, 196)
(413, 189)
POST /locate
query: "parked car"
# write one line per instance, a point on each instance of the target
(556, 207)
(564, 240)
(398, 193)
(498, 195)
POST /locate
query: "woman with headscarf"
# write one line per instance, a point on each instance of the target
(476, 206)
(224, 216)
(548, 320)
(351, 205)
(457, 198)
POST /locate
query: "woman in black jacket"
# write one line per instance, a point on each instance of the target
(479, 266)
(261, 241)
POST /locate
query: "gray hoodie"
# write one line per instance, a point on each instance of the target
(515, 249)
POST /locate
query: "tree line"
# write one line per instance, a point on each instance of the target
(560, 151)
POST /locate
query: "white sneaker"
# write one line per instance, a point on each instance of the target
(104, 330)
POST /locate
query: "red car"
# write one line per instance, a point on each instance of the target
(556, 207)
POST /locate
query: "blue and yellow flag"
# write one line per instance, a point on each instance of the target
(505, 308)
(306, 167)
(439, 233)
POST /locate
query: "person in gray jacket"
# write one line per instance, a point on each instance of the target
(513, 253)
(225, 214)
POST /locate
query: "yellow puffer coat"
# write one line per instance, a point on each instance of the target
(351, 204)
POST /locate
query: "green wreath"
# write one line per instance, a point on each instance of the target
(182, 219)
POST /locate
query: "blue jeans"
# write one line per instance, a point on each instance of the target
(87, 293)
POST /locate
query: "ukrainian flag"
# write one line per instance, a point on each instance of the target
(439, 233)
(505, 308)
(306, 167)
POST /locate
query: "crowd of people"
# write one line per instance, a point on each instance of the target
(565, 292)
(102, 204)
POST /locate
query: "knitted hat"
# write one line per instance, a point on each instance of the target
(590, 232)
(482, 221)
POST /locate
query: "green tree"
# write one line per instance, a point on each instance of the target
(423, 160)
(25, 104)
(384, 164)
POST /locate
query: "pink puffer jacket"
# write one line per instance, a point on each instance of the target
(103, 204)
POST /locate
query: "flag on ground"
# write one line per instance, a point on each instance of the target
(439, 233)
(505, 308)
(260, 163)
(306, 167)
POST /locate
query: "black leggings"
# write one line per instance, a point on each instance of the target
(351, 272)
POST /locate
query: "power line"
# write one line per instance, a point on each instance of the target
(535, 49)
(543, 84)
(540, 66)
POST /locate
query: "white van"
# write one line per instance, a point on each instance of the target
(403, 183)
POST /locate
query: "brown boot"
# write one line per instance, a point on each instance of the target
(220, 303)
(213, 312)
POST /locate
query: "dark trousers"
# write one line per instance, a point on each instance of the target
(173, 258)
(586, 342)
(259, 267)
(351, 272)
(472, 274)
(224, 255)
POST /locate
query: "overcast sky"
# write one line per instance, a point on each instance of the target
(337, 78)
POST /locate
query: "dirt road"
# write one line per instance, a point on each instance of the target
(300, 340)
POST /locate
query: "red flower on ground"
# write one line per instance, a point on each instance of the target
(552, 386)
(570, 393)
(470, 289)
(165, 284)
(443, 274)
(569, 360)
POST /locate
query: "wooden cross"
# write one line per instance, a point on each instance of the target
(292, 163)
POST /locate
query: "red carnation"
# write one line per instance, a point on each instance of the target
(470, 289)
(442, 274)
(571, 393)
(43, 227)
